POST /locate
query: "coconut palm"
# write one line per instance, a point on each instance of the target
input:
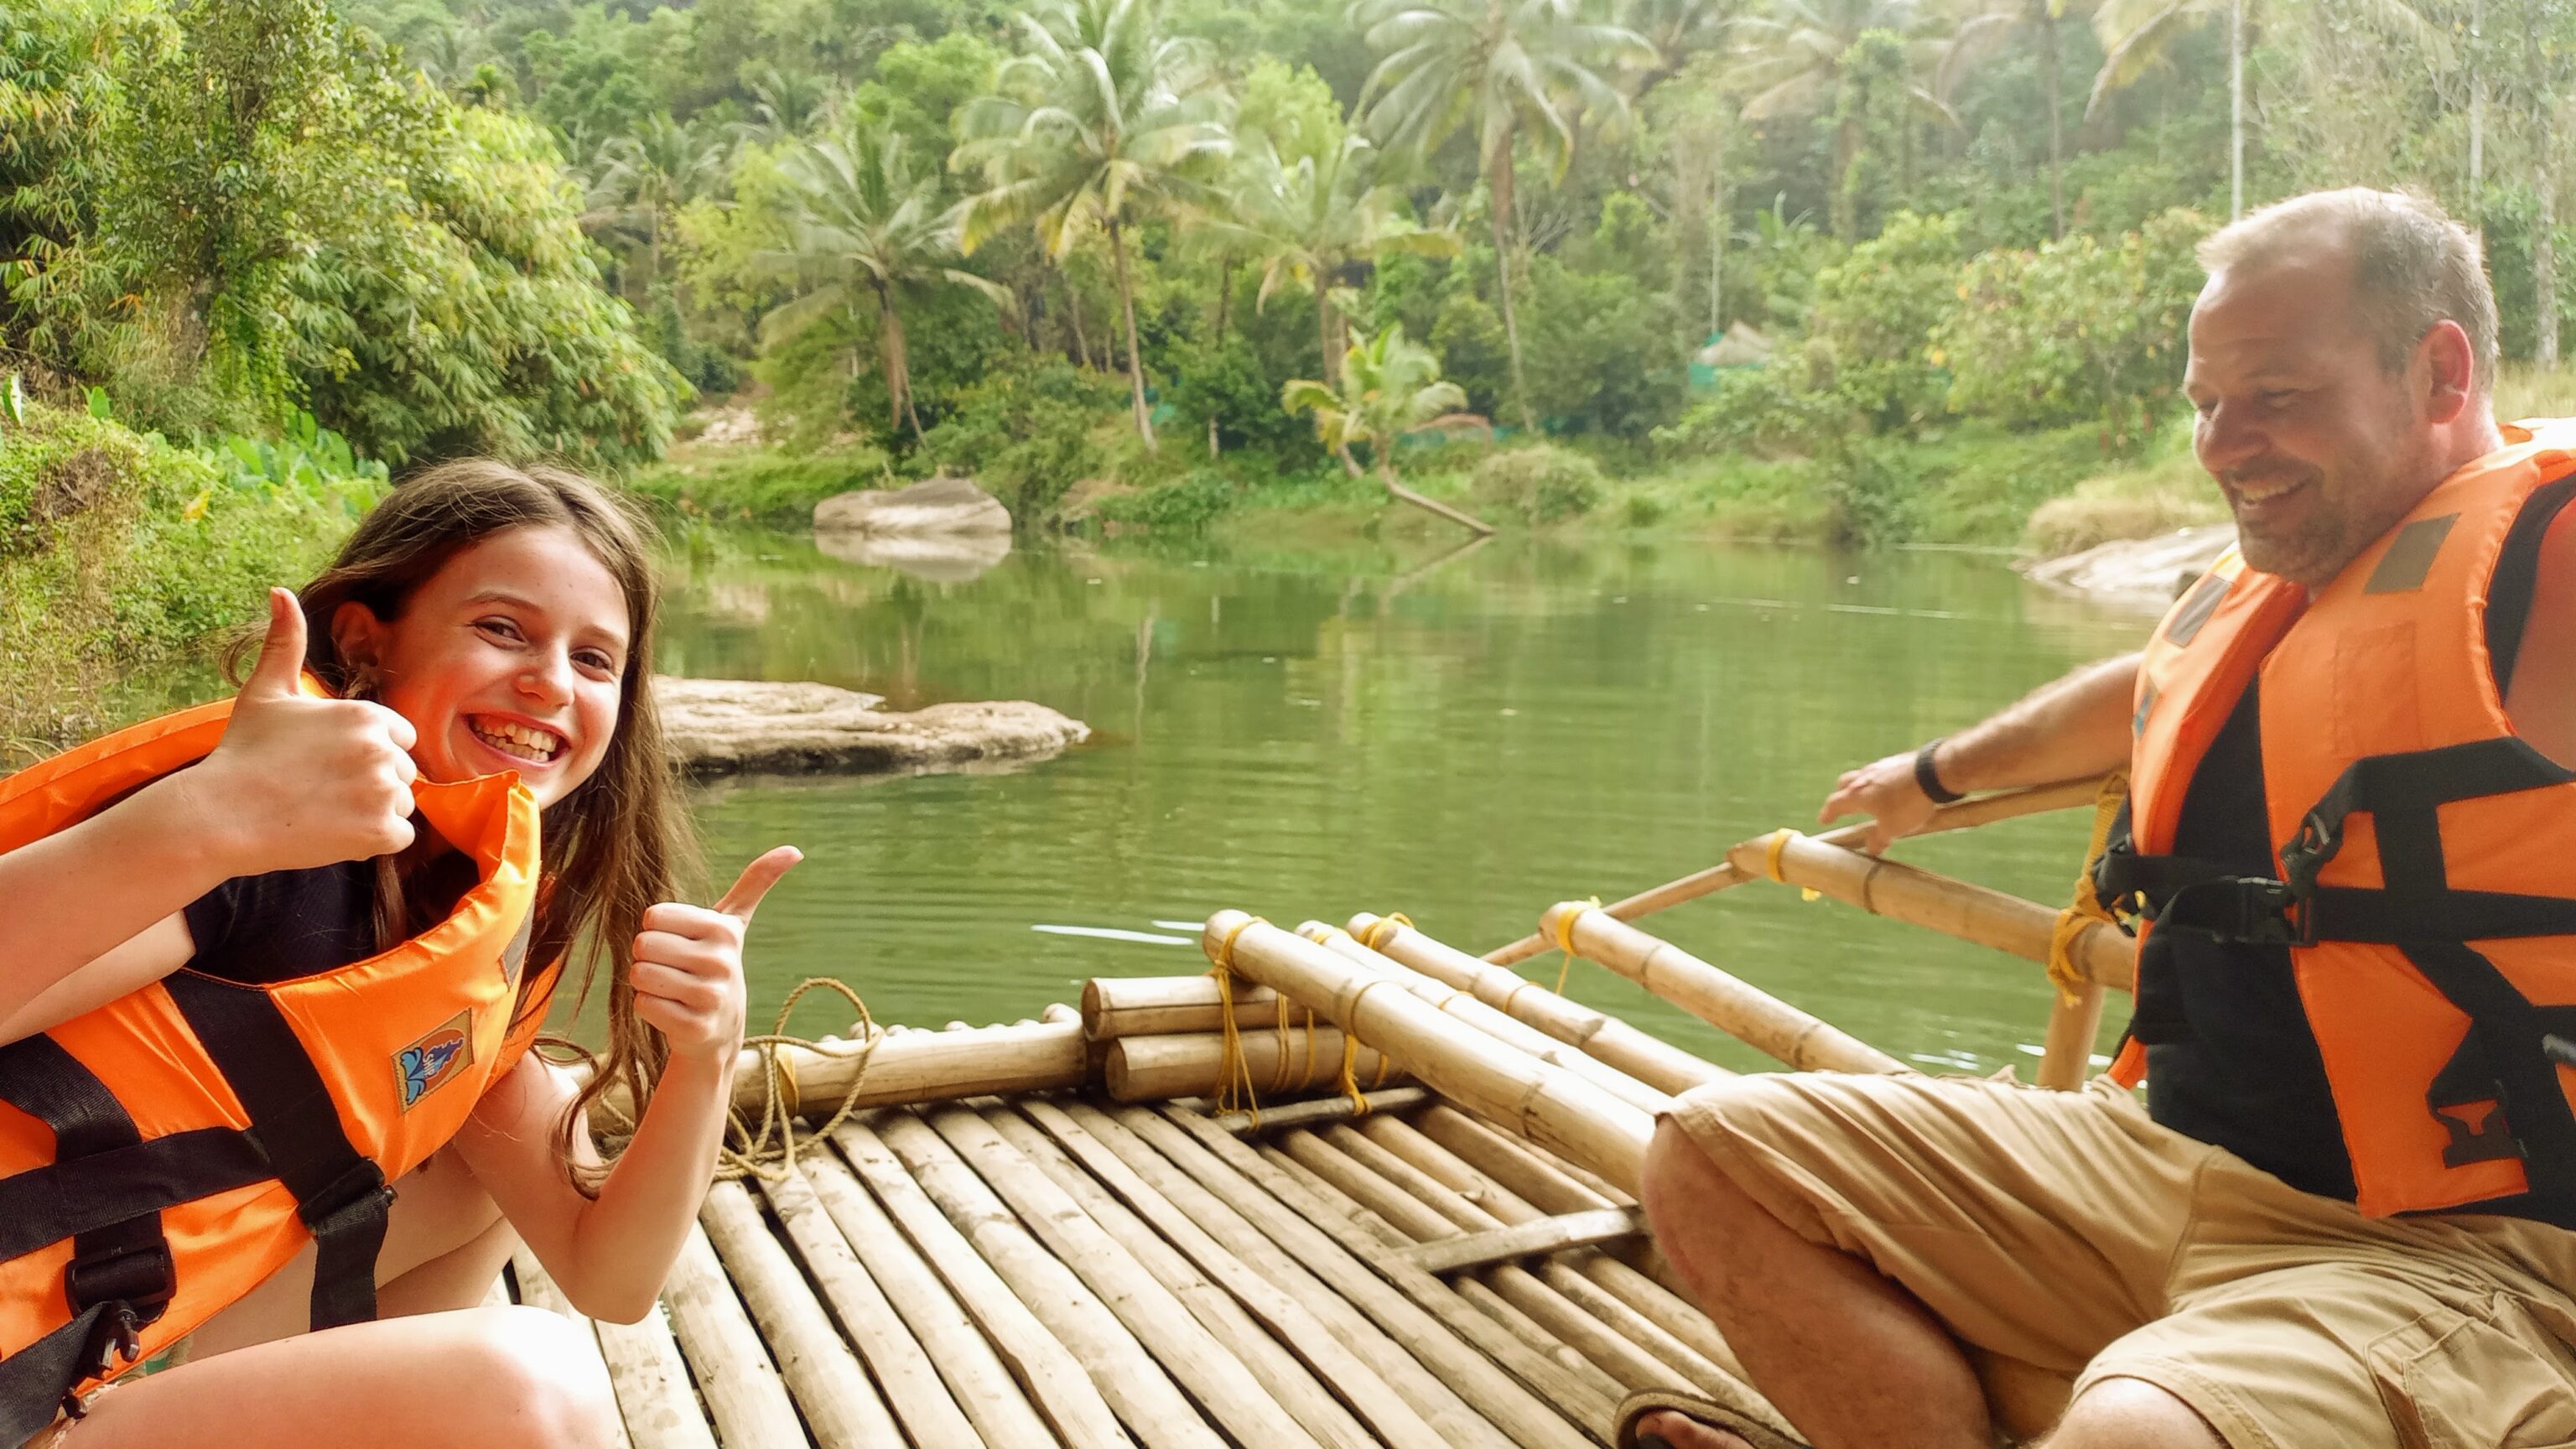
(639, 180)
(865, 219)
(1799, 57)
(1390, 386)
(1100, 122)
(1677, 30)
(1309, 221)
(1981, 35)
(1512, 67)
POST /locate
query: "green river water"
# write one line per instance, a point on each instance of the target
(1310, 734)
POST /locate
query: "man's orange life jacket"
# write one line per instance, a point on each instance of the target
(164, 1153)
(2427, 853)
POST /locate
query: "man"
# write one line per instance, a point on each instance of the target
(2342, 1215)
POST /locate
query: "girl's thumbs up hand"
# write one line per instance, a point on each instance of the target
(688, 964)
(299, 781)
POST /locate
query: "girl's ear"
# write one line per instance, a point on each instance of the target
(358, 638)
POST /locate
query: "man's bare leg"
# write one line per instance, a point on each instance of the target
(1850, 1357)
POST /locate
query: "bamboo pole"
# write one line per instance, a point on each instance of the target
(1157, 1068)
(1146, 1399)
(744, 1394)
(2066, 1058)
(1196, 1358)
(1520, 1392)
(907, 1066)
(1116, 1006)
(1572, 1115)
(822, 1374)
(1278, 1324)
(1204, 1284)
(1323, 1109)
(652, 1383)
(1518, 1035)
(1057, 1386)
(1958, 908)
(1598, 1034)
(1759, 1019)
(1509, 1162)
(903, 1370)
(537, 1290)
(1983, 810)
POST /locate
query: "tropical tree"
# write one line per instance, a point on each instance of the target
(1677, 30)
(1389, 386)
(640, 181)
(1981, 35)
(1807, 55)
(864, 219)
(1512, 67)
(1312, 221)
(1099, 123)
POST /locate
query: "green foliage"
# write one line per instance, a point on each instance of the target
(1025, 433)
(769, 486)
(1770, 411)
(1540, 482)
(1873, 318)
(1186, 504)
(1227, 384)
(2076, 329)
(1389, 388)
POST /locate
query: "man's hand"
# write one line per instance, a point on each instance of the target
(688, 964)
(300, 782)
(1885, 791)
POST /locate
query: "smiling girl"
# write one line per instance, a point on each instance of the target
(289, 948)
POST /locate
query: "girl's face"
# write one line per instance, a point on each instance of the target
(508, 658)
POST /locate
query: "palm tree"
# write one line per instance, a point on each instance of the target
(1310, 221)
(1389, 386)
(1799, 58)
(1980, 36)
(1677, 30)
(1098, 123)
(641, 179)
(864, 217)
(1509, 66)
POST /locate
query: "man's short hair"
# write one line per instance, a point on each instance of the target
(2412, 266)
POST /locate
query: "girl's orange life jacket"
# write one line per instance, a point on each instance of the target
(2427, 853)
(164, 1153)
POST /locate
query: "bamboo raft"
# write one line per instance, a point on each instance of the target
(1272, 1205)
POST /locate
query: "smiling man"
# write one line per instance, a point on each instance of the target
(2345, 1211)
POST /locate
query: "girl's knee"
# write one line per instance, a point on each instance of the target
(544, 1376)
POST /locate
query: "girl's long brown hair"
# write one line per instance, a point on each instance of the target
(614, 845)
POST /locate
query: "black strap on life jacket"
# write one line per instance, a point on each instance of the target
(107, 1187)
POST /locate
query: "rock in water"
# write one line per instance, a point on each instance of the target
(2141, 573)
(736, 726)
(941, 558)
(941, 505)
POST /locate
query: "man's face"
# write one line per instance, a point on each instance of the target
(2317, 449)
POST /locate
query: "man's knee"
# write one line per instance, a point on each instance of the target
(551, 1387)
(2132, 1414)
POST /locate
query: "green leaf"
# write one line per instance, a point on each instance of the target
(98, 405)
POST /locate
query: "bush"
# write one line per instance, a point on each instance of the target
(1185, 504)
(1025, 432)
(1768, 411)
(1873, 319)
(773, 487)
(1541, 482)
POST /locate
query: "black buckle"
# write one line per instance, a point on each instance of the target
(139, 1277)
(2318, 841)
(354, 1195)
(113, 1340)
(2247, 910)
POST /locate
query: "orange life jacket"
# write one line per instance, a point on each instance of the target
(164, 1153)
(2427, 853)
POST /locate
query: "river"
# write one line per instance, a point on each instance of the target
(1313, 733)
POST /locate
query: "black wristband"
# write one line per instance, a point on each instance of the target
(1928, 779)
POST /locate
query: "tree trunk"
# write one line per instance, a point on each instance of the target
(2477, 116)
(1498, 169)
(1324, 334)
(1073, 314)
(898, 360)
(2544, 260)
(1350, 464)
(1845, 208)
(1135, 359)
(2235, 109)
(1224, 294)
(2056, 123)
(1386, 475)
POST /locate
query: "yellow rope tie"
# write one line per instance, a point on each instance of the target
(1771, 862)
(1351, 1051)
(1377, 935)
(1565, 943)
(2087, 908)
(1234, 1091)
(781, 1103)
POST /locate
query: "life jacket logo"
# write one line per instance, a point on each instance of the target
(431, 1062)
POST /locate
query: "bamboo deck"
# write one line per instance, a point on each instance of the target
(1049, 1235)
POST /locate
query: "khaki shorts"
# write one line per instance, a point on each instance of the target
(2068, 1231)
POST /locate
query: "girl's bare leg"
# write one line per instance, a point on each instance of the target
(469, 1379)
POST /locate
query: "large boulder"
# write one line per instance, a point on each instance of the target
(2140, 573)
(941, 505)
(735, 726)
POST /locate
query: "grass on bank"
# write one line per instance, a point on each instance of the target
(122, 554)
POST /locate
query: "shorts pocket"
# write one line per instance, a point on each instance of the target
(2485, 1378)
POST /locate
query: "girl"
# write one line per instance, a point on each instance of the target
(483, 619)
